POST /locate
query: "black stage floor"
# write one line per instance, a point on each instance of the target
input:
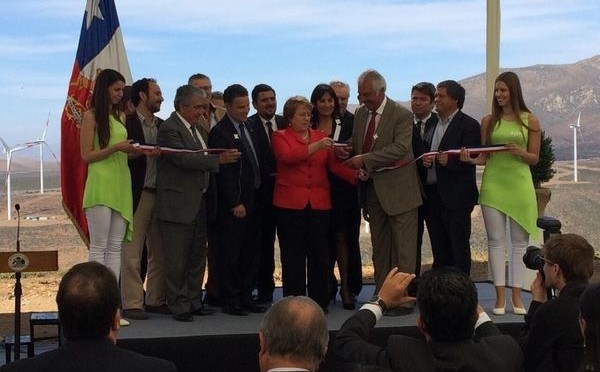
(222, 342)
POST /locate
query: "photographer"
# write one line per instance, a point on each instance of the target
(458, 334)
(551, 339)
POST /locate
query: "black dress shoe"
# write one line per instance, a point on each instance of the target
(234, 310)
(254, 308)
(211, 300)
(183, 317)
(162, 309)
(203, 311)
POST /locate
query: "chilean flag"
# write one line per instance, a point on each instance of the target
(100, 46)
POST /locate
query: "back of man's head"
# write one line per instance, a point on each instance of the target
(295, 329)
(447, 300)
(573, 254)
(88, 299)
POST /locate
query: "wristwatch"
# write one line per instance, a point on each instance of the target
(376, 300)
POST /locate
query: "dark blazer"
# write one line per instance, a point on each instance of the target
(235, 181)
(96, 355)
(551, 338)
(423, 145)
(488, 351)
(456, 181)
(137, 166)
(181, 176)
(266, 158)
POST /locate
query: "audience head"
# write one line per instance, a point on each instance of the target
(293, 333)
(88, 302)
(201, 81)
(447, 302)
(421, 99)
(264, 101)
(589, 305)
(371, 89)
(567, 257)
(217, 99)
(106, 99)
(342, 91)
(324, 103)
(191, 103)
(236, 102)
(449, 96)
(146, 93)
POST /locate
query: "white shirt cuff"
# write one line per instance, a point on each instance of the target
(483, 317)
(375, 309)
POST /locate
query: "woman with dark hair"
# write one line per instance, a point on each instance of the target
(507, 192)
(107, 199)
(589, 306)
(345, 209)
(303, 202)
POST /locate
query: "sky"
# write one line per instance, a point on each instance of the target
(292, 45)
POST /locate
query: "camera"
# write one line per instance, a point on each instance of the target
(534, 259)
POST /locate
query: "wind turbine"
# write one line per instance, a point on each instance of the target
(9, 152)
(42, 142)
(575, 127)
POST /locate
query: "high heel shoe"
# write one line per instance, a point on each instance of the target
(519, 310)
(499, 310)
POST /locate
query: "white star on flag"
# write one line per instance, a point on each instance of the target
(93, 10)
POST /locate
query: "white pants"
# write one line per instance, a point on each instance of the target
(107, 229)
(495, 227)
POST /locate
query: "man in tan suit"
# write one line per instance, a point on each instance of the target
(390, 199)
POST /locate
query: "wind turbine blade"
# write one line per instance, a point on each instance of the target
(46, 128)
(50, 149)
(580, 135)
(578, 119)
(6, 147)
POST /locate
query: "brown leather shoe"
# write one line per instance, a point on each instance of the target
(137, 314)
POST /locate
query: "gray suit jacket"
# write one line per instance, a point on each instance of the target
(181, 177)
(398, 190)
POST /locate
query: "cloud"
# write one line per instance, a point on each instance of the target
(24, 47)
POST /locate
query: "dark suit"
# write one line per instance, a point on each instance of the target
(345, 214)
(451, 199)
(551, 338)
(95, 355)
(265, 284)
(237, 257)
(422, 145)
(488, 351)
(181, 210)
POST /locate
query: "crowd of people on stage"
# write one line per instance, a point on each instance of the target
(211, 187)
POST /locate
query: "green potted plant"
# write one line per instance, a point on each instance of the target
(543, 171)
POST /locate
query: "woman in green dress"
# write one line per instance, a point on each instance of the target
(507, 195)
(107, 199)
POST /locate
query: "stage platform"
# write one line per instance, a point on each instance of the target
(223, 342)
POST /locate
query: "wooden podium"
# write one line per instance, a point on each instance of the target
(19, 262)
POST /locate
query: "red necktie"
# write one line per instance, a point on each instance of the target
(368, 143)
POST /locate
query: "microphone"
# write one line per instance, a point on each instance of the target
(18, 208)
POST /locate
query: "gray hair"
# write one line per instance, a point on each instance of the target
(184, 95)
(339, 84)
(295, 327)
(377, 80)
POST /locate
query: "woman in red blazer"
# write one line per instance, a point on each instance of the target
(303, 201)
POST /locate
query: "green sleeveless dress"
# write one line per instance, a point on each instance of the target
(108, 181)
(507, 185)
